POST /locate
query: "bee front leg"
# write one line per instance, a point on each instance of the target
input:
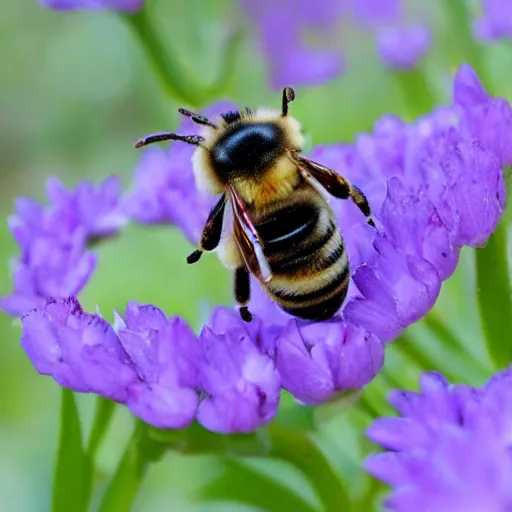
(212, 231)
(242, 289)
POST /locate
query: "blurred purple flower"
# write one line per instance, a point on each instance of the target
(75, 5)
(376, 12)
(433, 185)
(403, 47)
(280, 26)
(54, 260)
(496, 22)
(450, 450)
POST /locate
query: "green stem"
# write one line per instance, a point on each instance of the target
(102, 417)
(299, 449)
(459, 21)
(125, 484)
(173, 76)
(101, 422)
(494, 295)
(68, 479)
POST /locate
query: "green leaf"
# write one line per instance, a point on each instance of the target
(126, 481)
(68, 482)
(299, 449)
(242, 484)
(494, 295)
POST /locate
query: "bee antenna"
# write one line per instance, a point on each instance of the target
(288, 97)
(195, 140)
(197, 118)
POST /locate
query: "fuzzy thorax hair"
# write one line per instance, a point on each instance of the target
(278, 178)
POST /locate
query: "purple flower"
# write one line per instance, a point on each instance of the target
(74, 5)
(147, 361)
(317, 361)
(484, 118)
(451, 449)
(496, 21)
(240, 382)
(54, 261)
(167, 358)
(403, 47)
(81, 351)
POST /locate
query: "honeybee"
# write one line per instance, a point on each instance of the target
(283, 231)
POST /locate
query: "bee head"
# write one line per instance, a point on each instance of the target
(247, 148)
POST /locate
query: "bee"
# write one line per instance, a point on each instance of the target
(283, 229)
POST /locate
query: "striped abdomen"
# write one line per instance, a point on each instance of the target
(304, 248)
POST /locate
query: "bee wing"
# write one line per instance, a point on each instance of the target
(248, 240)
(318, 174)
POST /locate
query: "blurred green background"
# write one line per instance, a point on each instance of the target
(75, 92)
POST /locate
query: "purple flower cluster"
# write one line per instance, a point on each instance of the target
(156, 365)
(433, 185)
(451, 449)
(54, 258)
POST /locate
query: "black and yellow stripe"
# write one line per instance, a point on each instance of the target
(305, 251)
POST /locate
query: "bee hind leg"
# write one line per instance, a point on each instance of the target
(242, 290)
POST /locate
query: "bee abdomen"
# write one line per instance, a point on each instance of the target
(287, 228)
(316, 295)
(307, 258)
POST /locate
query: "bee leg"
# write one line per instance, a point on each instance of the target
(242, 289)
(343, 189)
(362, 203)
(212, 231)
